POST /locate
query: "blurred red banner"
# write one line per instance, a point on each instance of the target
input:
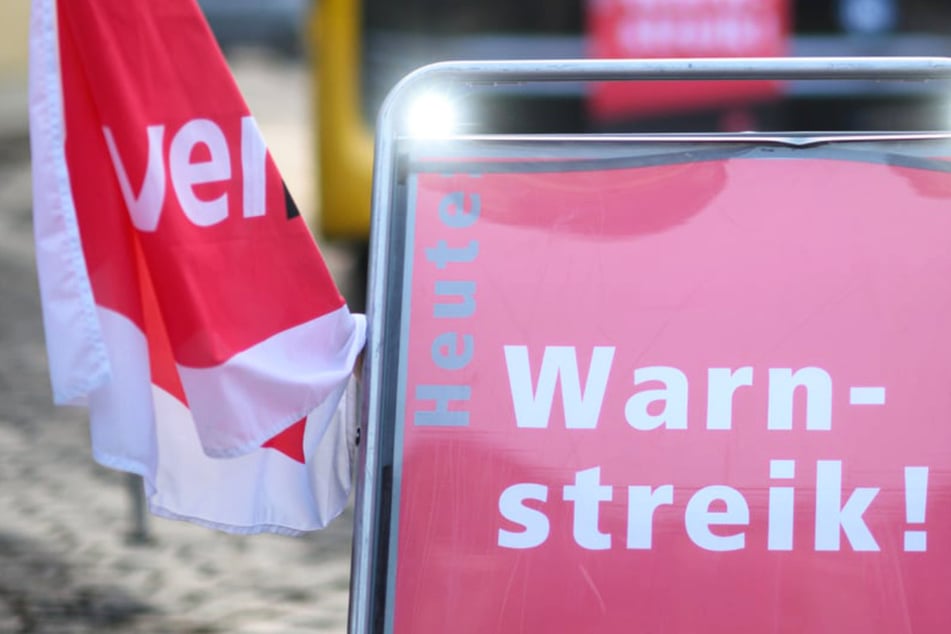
(656, 29)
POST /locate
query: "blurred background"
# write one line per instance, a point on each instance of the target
(354, 51)
(74, 557)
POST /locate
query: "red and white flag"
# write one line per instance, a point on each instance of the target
(184, 300)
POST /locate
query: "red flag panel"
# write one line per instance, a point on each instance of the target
(184, 297)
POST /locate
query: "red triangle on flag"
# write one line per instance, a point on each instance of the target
(290, 442)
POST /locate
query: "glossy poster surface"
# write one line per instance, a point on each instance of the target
(701, 393)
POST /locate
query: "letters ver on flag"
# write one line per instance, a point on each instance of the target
(184, 300)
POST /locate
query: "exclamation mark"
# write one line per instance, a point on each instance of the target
(916, 498)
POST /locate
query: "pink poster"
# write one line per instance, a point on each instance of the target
(677, 397)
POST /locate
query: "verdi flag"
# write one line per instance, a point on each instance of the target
(184, 300)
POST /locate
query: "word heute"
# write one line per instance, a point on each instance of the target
(523, 504)
(455, 301)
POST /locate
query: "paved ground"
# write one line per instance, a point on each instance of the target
(66, 565)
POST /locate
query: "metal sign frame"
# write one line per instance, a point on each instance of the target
(380, 371)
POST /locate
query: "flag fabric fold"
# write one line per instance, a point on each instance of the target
(184, 300)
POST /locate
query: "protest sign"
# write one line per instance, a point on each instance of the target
(674, 387)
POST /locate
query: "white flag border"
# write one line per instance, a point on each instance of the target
(77, 353)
